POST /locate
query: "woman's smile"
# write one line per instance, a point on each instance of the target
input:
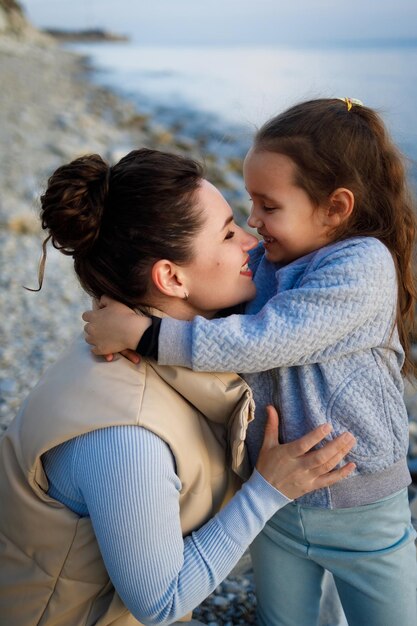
(221, 257)
(245, 271)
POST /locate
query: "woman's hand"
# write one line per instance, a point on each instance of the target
(114, 327)
(293, 468)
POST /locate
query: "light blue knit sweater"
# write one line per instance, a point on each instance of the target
(124, 479)
(319, 341)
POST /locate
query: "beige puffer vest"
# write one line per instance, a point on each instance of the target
(51, 570)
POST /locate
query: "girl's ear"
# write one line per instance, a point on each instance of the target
(340, 207)
(167, 278)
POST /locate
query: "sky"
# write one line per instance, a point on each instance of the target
(260, 22)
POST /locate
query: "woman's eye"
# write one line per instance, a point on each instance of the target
(230, 234)
(268, 208)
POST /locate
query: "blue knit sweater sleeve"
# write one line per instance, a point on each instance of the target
(124, 479)
(344, 301)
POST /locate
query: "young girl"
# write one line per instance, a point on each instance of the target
(326, 339)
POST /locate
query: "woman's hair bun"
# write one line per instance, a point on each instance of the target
(73, 204)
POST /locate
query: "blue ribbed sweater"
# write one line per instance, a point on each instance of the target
(320, 342)
(124, 478)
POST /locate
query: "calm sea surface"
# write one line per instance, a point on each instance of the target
(240, 87)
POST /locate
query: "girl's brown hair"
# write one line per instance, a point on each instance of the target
(333, 145)
(117, 221)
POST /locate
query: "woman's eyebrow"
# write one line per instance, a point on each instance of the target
(228, 220)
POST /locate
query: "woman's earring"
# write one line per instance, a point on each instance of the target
(185, 296)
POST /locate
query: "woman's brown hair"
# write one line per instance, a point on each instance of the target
(335, 145)
(117, 221)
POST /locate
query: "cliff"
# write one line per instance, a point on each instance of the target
(13, 22)
(12, 18)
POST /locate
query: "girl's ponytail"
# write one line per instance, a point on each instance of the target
(334, 144)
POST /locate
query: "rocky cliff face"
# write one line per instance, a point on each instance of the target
(13, 20)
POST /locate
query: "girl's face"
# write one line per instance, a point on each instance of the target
(218, 276)
(282, 213)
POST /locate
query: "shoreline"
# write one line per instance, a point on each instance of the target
(217, 143)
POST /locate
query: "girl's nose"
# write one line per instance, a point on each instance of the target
(253, 221)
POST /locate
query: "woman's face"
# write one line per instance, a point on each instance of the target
(218, 276)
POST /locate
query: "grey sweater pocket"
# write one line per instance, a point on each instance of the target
(358, 406)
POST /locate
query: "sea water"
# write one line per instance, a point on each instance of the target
(238, 88)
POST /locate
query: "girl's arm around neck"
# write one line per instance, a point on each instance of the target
(345, 301)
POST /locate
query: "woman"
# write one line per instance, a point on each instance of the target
(109, 465)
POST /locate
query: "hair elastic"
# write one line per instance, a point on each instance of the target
(351, 101)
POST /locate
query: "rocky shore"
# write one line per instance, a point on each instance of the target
(51, 113)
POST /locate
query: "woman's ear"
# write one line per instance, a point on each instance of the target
(340, 207)
(167, 278)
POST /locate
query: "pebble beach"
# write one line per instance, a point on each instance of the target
(50, 113)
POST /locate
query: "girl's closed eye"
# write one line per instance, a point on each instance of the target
(264, 208)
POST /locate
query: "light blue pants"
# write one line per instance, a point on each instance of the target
(369, 549)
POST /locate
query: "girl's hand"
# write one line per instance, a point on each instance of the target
(114, 327)
(295, 470)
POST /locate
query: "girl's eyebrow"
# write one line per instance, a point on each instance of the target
(264, 197)
(260, 195)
